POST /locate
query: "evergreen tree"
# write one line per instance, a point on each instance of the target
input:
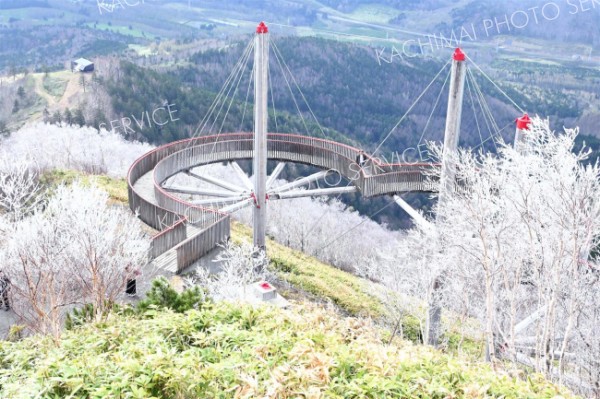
(46, 115)
(4, 129)
(99, 118)
(13, 71)
(78, 117)
(21, 92)
(82, 81)
(57, 117)
(68, 116)
(16, 107)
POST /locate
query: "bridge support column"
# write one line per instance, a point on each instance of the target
(448, 178)
(259, 162)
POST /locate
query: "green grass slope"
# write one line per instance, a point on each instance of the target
(348, 292)
(238, 351)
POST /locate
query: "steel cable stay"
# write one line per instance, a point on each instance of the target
(234, 79)
(250, 81)
(434, 108)
(285, 71)
(224, 95)
(227, 86)
(316, 176)
(232, 97)
(279, 55)
(216, 101)
(471, 81)
(289, 86)
(411, 107)
(228, 92)
(495, 85)
(483, 102)
(488, 117)
(313, 226)
(151, 201)
(474, 111)
(492, 137)
(228, 95)
(273, 100)
(391, 132)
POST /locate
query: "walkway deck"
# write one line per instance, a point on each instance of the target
(181, 243)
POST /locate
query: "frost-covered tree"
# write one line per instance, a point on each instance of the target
(19, 188)
(239, 266)
(76, 249)
(516, 245)
(45, 147)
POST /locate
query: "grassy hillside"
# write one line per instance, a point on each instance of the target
(355, 296)
(323, 281)
(237, 351)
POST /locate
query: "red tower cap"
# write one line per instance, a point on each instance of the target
(262, 28)
(523, 122)
(459, 55)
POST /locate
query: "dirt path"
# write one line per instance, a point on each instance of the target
(55, 102)
(40, 91)
(72, 89)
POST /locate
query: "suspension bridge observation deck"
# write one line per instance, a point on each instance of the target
(190, 229)
(194, 218)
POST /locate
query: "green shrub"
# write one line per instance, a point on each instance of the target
(239, 351)
(162, 295)
(78, 317)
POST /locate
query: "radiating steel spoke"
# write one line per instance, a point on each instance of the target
(275, 174)
(312, 193)
(197, 191)
(216, 182)
(300, 182)
(245, 179)
(237, 206)
(217, 201)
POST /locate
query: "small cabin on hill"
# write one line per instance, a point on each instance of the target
(82, 65)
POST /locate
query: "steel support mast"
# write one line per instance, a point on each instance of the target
(453, 119)
(448, 176)
(521, 133)
(259, 162)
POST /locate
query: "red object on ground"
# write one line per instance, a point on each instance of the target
(265, 286)
(523, 122)
(262, 28)
(459, 55)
